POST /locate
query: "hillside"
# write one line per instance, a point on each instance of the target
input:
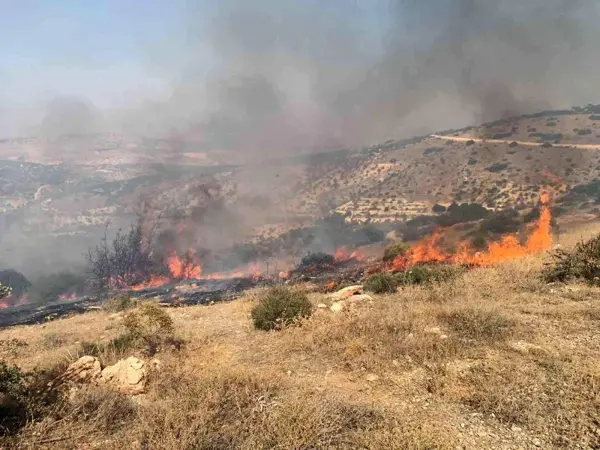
(72, 188)
(493, 359)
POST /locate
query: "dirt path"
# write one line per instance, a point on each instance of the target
(523, 143)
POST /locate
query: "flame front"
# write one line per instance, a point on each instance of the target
(507, 249)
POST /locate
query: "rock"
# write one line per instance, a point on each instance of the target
(84, 370)
(346, 292)
(537, 442)
(321, 305)
(127, 376)
(337, 307)
(372, 377)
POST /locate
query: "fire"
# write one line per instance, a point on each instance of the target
(68, 297)
(186, 268)
(509, 248)
(155, 281)
(343, 254)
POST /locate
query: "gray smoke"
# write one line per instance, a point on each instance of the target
(289, 76)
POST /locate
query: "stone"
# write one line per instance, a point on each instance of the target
(372, 377)
(84, 370)
(346, 292)
(321, 305)
(337, 307)
(127, 376)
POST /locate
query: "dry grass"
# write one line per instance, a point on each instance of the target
(493, 359)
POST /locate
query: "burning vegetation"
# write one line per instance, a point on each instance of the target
(508, 248)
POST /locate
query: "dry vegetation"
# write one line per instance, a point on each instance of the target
(494, 358)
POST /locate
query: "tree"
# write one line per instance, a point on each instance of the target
(4, 291)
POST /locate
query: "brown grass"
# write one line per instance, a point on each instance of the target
(494, 359)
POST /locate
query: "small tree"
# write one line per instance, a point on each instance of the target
(4, 291)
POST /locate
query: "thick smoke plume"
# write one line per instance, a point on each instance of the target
(293, 76)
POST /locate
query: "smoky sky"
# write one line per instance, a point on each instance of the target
(305, 75)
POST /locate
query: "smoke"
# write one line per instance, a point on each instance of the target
(295, 76)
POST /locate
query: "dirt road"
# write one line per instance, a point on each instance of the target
(523, 143)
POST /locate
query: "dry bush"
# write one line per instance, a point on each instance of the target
(279, 308)
(478, 324)
(391, 252)
(121, 302)
(582, 262)
(149, 324)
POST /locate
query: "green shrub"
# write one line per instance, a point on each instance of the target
(393, 251)
(583, 262)
(381, 283)
(279, 308)
(14, 393)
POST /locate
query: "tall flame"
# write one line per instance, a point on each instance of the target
(508, 248)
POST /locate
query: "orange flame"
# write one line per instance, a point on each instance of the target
(67, 297)
(343, 254)
(509, 248)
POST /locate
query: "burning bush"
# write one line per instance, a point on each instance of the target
(279, 308)
(381, 283)
(583, 262)
(393, 251)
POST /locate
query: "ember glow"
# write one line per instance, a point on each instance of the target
(68, 297)
(507, 249)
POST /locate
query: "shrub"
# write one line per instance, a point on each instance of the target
(470, 142)
(280, 307)
(121, 302)
(438, 209)
(427, 274)
(584, 132)
(583, 262)
(14, 393)
(513, 144)
(393, 251)
(318, 259)
(150, 325)
(381, 283)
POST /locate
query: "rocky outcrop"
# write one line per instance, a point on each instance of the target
(128, 376)
(85, 370)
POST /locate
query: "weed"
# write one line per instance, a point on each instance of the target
(381, 283)
(583, 262)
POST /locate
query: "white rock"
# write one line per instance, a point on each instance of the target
(127, 376)
(85, 369)
(337, 307)
(372, 377)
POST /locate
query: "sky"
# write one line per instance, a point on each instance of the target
(113, 53)
(364, 69)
